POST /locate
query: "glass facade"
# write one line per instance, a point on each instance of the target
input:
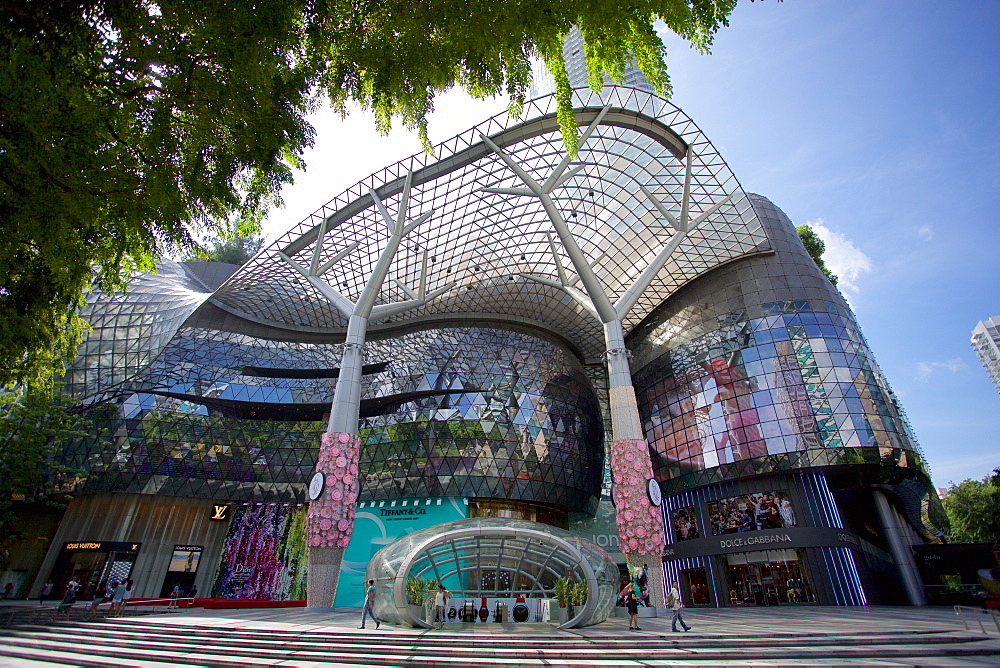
(792, 381)
(758, 367)
(467, 411)
(130, 329)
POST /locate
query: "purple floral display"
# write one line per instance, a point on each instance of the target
(264, 555)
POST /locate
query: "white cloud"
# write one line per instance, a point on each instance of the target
(842, 257)
(926, 232)
(925, 369)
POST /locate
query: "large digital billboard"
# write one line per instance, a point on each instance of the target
(751, 512)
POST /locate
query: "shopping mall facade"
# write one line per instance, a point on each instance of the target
(788, 471)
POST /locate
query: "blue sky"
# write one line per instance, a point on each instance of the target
(876, 122)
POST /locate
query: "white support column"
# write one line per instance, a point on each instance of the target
(330, 521)
(640, 523)
(347, 393)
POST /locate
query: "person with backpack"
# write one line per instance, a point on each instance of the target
(674, 603)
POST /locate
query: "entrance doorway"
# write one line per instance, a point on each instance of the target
(694, 586)
(92, 564)
(768, 577)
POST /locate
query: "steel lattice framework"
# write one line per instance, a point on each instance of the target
(478, 254)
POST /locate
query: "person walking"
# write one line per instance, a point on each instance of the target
(101, 594)
(118, 599)
(369, 602)
(175, 594)
(69, 598)
(674, 601)
(441, 605)
(632, 606)
(46, 592)
(129, 587)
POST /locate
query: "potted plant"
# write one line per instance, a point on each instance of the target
(563, 590)
(579, 593)
(416, 591)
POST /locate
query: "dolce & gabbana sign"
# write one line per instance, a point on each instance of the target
(754, 540)
(751, 541)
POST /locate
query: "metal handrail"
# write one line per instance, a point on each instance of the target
(168, 603)
(993, 614)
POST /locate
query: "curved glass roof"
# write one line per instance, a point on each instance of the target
(482, 248)
(493, 557)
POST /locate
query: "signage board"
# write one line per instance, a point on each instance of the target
(378, 523)
(102, 546)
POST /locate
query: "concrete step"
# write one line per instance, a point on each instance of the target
(125, 643)
(427, 641)
(49, 614)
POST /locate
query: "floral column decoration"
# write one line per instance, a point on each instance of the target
(641, 532)
(331, 516)
(640, 523)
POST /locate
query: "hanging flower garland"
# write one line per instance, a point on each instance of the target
(331, 517)
(640, 523)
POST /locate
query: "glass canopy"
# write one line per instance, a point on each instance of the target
(490, 253)
(484, 559)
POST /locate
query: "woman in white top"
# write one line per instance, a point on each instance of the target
(440, 604)
(118, 600)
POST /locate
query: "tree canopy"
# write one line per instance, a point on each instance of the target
(127, 128)
(232, 246)
(32, 424)
(973, 508)
(816, 248)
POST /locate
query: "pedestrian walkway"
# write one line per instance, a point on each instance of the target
(300, 638)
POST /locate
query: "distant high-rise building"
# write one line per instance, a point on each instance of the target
(986, 343)
(576, 68)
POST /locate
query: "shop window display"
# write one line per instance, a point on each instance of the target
(767, 577)
(694, 583)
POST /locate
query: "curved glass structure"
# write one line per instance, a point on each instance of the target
(759, 366)
(482, 412)
(129, 330)
(482, 373)
(485, 249)
(483, 558)
(462, 411)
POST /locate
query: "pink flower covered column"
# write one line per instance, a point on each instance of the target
(640, 523)
(641, 532)
(330, 521)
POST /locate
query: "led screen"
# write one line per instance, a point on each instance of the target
(685, 524)
(751, 512)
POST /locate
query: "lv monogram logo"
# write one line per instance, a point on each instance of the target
(219, 512)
